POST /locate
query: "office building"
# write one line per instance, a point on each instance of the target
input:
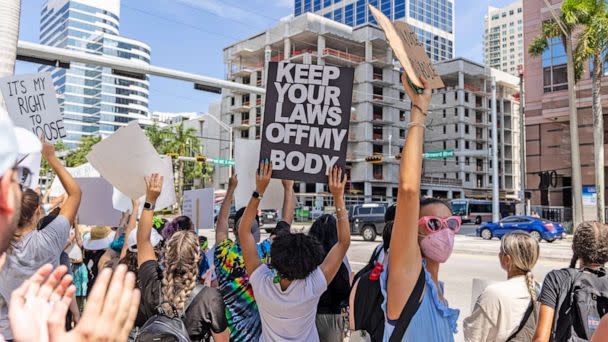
(432, 20)
(381, 108)
(95, 100)
(504, 37)
(461, 121)
(547, 116)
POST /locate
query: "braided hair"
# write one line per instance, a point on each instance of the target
(180, 274)
(524, 251)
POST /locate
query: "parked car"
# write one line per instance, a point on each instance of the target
(269, 219)
(538, 228)
(367, 220)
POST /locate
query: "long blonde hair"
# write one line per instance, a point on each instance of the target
(524, 251)
(181, 270)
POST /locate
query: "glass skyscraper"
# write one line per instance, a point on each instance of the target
(433, 20)
(95, 100)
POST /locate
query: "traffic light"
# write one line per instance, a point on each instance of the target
(201, 159)
(375, 158)
(173, 155)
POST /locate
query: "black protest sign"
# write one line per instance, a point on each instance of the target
(306, 120)
(31, 102)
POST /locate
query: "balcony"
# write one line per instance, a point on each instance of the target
(258, 102)
(245, 107)
(342, 56)
(258, 120)
(441, 182)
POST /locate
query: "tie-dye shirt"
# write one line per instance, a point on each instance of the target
(233, 280)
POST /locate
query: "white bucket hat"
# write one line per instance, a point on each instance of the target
(100, 237)
(155, 239)
(17, 143)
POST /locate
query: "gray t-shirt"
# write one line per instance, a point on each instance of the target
(34, 250)
(288, 315)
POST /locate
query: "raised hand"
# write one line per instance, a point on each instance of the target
(109, 314)
(33, 302)
(233, 181)
(337, 181)
(154, 185)
(48, 150)
(262, 178)
(421, 101)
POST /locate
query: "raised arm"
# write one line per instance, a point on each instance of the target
(145, 250)
(70, 208)
(221, 228)
(246, 239)
(333, 260)
(130, 226)
(405, 258)
(289, 201)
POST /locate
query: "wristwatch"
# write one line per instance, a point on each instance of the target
(256, 195)
(149, 206)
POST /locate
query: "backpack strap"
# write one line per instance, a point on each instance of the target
(524, 320)
(197, 289)
(412, 305)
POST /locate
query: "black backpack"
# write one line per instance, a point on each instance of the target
(368, 312)
(588, 298)
(164, 328)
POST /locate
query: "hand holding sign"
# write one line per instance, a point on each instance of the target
(154, 185)
(420, 101)
(262, 178)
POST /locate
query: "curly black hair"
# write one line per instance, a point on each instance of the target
(295, 256)
(325, 231)
(386, 235)
(590, 242)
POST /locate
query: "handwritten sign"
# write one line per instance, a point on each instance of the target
(198, 206)
(408, 50)
(306, 120)
(32, 104)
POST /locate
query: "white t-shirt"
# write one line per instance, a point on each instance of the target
(499, 311)
(288, 315)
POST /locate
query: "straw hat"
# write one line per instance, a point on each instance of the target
(100, 237)
(155, 239)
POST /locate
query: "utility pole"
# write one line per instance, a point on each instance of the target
(9, 34)
(577, 183)
(495, 193)
(522, 141)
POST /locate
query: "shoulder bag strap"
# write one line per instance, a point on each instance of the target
(524, 320)
(195, 291)
(412, 305)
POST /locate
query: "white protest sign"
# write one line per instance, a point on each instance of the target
(96, 204)
(31, 102)
(246, 153)
(125, 158)
(82, 171)
(198, 206)
(120, 201)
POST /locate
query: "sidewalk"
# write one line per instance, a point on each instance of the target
(559, 250)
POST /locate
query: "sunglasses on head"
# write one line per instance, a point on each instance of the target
(435, 224)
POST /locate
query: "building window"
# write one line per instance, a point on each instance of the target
(360, 12)
(456, 144)
(338, 15)
(466, 112)
(377, 149)
(399, 9)
(231, 119)
(466, 97)
(326, 3)
(466, 145)
(554, 66)
(443, 98)
(467, 178)
(307, 6)
(317, 6)
(456, 128)
(297, 8)
(444, 113)
(402, 133)
(467, 161)
(444, 129)
(466, 129)
(444, 145)
(402, 115)
(349, 14)
(257, 132)
(377, 132)
(245, 134)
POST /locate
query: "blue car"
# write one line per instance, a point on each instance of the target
(538, 228)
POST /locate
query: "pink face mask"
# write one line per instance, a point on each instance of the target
(438, 246)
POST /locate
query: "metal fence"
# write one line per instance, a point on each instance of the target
(553, 213)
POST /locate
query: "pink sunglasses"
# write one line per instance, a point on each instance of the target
(435, 224)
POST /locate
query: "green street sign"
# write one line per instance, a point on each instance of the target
(225, 162)
(438, 154)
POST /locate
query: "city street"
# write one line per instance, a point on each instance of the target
(473, 258)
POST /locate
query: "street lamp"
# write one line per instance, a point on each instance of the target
(231, 138)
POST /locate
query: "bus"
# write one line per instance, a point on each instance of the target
(478, 211)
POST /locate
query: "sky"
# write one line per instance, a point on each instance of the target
(190, 35)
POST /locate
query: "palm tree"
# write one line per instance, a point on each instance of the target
(159, 137)
(184, 142)
(591, 16)
(564, 29)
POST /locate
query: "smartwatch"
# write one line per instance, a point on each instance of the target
(256, 195)
(149, 206)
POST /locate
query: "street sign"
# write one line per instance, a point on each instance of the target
(225, 162)
(438, 154)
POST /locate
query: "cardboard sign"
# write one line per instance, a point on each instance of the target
(246, 153)
(125, 158)
(96, 204)
(408, 50)
(198, 206)
(82, 171)
(31, 102)
(306, 120)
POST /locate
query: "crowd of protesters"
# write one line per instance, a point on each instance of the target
(152, 280)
